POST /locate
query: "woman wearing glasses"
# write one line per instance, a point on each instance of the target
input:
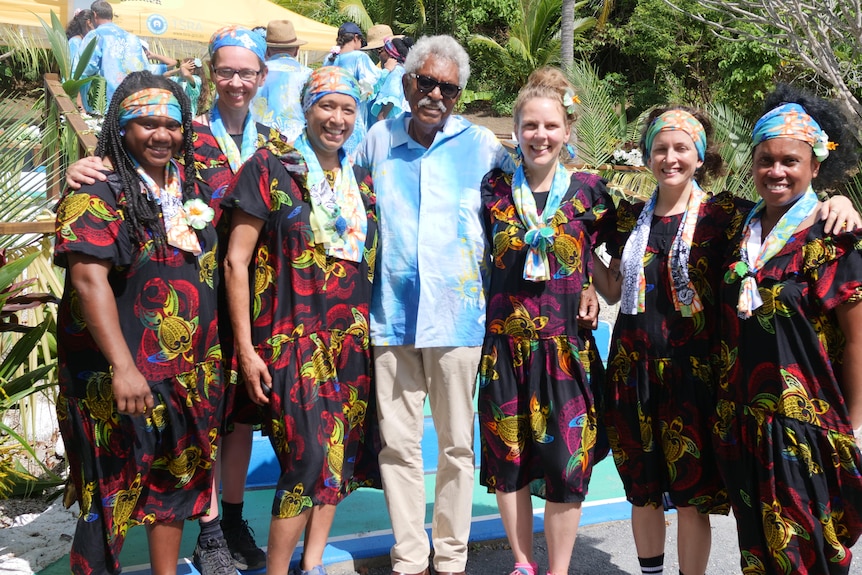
(303, 238)
(224, 139)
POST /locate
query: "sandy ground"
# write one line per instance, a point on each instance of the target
(34, 536)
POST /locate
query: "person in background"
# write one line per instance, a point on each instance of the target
(349, 55)
(81, 23)
(790, 380)
(390, 100)
(300, 257)
(117, 52)
(538, 417)
(189, 74)
(141, 376)
(224, 139)
(278, 103)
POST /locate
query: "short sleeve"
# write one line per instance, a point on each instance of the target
(90, 223)
(251, 190)
(627, 217)
(835, 265)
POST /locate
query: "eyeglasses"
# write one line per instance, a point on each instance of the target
(426, 84)
(244, 75)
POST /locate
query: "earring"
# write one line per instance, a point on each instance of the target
(122, 133)
(570, 149)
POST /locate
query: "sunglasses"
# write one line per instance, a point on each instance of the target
(426, 84)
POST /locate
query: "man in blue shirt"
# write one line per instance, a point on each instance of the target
(279, 104)
(117, 52)
(428, 305)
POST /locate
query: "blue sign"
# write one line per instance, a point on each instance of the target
(157, 24)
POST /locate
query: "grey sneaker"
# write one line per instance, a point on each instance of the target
(316, 570)
(213, 558)
(245, 552)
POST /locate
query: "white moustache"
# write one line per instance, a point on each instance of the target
(427, 102)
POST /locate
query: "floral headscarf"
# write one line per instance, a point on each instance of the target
(792, 121)
(677, 120)
(149, 102)
(328, 80)
(237, 36)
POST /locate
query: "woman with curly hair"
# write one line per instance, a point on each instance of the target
(298, 273)
(790, 378)
(140, 363)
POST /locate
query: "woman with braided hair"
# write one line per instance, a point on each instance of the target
(140, 363)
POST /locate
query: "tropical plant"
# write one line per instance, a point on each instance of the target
(731, 134)
(25, 371)
(73, 80)
(405, 17)
(533, 41)
(854, 190)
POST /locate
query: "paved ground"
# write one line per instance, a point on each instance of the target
(603, 548)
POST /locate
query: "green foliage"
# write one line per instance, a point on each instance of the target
(72, 80)
(732, 137)
(19, 378)
(533, 41)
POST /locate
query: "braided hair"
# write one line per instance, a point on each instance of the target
(142, 214)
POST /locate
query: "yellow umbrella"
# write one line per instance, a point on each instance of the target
(192, 20)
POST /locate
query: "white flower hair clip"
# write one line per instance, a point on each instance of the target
(822, 146)
(569, 101)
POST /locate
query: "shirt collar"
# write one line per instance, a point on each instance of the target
(454, 125)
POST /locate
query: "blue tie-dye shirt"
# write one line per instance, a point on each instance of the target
(278, 103)
(429, 287)
(118, 53)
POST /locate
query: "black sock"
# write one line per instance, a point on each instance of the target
(209, 529)
(652, 565)
(231, 513)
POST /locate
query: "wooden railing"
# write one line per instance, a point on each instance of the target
(56, 97)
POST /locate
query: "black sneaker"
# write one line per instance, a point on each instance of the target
(213, 557)
(245, 552)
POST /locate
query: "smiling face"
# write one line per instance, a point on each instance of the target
(329, 123)
(153, 141)
(783, 169)
(542, 132)
(673, 160)
(235, 93)
(431, 109)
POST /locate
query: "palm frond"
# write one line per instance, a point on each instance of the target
(355, 11)
(598, 122)
(732, 137)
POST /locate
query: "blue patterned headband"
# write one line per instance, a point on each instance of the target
(677, 120)
(236, 36)
(792, 121)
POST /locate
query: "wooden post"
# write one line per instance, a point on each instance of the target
(54, 95)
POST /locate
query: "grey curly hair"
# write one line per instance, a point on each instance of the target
(444, 47)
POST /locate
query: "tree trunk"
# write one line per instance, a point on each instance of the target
(567, 35)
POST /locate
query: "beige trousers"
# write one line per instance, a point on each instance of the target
(404, 376)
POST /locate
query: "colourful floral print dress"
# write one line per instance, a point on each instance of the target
(660, 384)
(310, 324)
(783, 437)
(538, 418)
(213, 167)
(132, 470)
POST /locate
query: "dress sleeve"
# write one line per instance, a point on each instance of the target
(252, 189)
(835, 264)
(89, 222)
(627, 216)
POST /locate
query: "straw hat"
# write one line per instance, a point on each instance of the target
(376, 35)
(280, 34)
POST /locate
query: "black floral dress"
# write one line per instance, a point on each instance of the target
(132, 470)
(783, 436)
(310, 325)
(661, 380)
(214, 168)
(539, 423)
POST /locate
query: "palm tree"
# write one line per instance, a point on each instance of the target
(397, 14)
(533, 42)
